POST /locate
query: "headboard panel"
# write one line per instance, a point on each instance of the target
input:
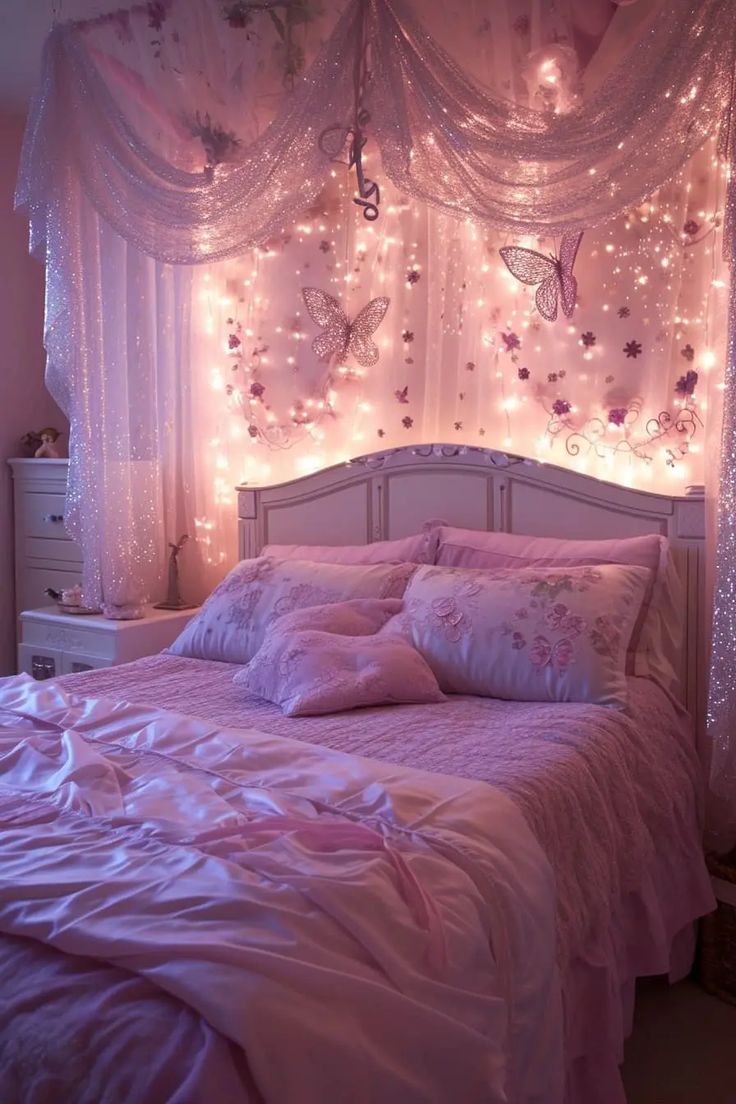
(391, 494)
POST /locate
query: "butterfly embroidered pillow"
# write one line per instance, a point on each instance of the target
(321, 668)
(526, 634)
(233, 621)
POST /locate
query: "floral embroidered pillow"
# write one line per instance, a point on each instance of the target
(526, 634)
(310, 671)
(233, 621)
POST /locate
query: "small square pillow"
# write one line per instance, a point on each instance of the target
(310, 671)
(232, 623)
(527, 634)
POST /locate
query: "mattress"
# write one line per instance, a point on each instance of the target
(612, 797)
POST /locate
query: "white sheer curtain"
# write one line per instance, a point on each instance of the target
(161, 138)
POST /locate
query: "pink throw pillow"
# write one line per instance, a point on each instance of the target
(655, 648)
(310, 671)
(357, 617)
(418, 549)
(530, 634)
(232, 623)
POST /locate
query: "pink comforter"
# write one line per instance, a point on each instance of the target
(612, 798)
(257, 919)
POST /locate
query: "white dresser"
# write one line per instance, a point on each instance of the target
(44, 554)
(53, 643)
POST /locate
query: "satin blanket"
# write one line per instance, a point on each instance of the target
(329, 927)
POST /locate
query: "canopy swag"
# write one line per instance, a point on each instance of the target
(156, 143)
(442, 138)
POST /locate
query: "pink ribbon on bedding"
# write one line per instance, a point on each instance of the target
(329, 835)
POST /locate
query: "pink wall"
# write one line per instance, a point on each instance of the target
(24, 402)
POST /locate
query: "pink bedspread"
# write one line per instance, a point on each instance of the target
(303, 925)
(613, 800)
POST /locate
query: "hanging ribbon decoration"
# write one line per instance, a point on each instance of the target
(369, 195)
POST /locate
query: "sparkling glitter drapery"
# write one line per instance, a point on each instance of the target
(443, 139)
(161, 139)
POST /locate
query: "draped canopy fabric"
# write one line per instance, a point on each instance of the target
(442, 138)
(154, 144)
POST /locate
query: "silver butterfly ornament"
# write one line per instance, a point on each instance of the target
(339, 335)
(553, 273)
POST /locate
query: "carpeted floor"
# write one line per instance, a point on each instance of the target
(683, 1049)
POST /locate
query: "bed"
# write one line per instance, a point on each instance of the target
(594, 875)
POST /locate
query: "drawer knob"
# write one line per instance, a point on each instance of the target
(53, 517)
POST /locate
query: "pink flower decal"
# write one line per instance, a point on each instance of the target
(686, 384)
(617, 416)
(560, 407)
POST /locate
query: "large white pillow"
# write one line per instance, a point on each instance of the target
(232, 623)
(655, 648)
(526, 634)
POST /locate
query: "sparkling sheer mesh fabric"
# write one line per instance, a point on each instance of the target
(132, 172)
(443, 138)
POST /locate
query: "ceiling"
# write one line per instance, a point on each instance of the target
(24, 25)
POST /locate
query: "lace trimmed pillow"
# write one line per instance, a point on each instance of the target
(526, 634)
(233, 621)
(330, 658)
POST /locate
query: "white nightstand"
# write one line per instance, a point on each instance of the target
(54, 643)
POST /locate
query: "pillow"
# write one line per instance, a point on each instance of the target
(356, 617)
(419, 548)
(530, 634)
(656, 643)
(310, 671)
(232, 622)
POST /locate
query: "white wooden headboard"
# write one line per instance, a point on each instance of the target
(391, 494)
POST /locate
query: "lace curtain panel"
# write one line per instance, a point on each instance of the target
(182, 196)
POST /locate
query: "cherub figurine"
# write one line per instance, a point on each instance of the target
(47, 450)
(174, 600)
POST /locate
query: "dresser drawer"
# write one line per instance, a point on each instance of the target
(49, 548)
(41, 515)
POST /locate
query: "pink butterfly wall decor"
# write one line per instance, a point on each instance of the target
(553, 273)
(339, 335)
